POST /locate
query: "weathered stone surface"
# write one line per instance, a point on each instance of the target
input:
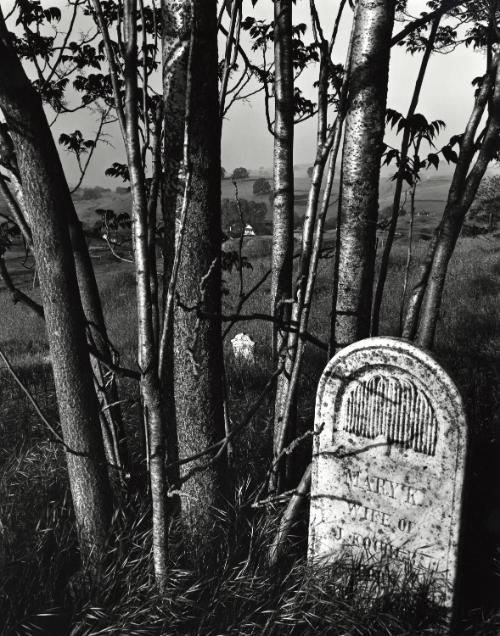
(243, 347)
(388, 464)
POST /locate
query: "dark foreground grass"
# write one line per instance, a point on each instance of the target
(226, 589)
(234, 591)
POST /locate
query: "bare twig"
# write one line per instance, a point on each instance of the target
(84, 167)
(232, 42)
(291, 326)
(17, 294)
(221, 445)
(447, 5)
(289, 516)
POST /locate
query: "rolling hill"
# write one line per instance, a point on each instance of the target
(431, 198)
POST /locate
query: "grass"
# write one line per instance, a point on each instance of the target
(230, 591)
(236, 593)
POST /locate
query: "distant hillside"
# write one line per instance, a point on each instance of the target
(89, 200)
(431, 197)
(431, 193)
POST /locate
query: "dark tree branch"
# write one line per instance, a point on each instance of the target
(448, 5)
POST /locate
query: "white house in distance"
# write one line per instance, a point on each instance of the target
(247, 232)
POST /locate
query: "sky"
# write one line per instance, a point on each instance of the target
(447, 94)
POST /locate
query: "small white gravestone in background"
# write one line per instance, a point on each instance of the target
(243, 347)
(388, 462)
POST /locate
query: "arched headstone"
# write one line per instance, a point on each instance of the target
(388, 462)
(243, 348)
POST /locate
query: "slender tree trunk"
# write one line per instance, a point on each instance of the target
(361, 170)
(176, 26)
(147, 351)
(197, 342)
(450, 228)
(110, 417)
(156, 177)
(107, 393)
(461, 186)
(47, 196)
(282, 250)
(405, 145)
(290, 517)
(328, 144)
(176, 41)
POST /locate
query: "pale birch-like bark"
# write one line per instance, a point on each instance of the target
(156, 177)
(147, 352)
(282, 246)
(176, 44)
(128, 118)
(328, 144)
(364, 132)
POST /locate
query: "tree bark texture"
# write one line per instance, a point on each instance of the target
(364, 132)
(282, 247)
(396, 205)
(176, 41)
(198, 362)
(47, 196)
(147, 351)
(422, 311)
(451, 226)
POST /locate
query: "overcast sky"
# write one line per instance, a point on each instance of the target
(447, 94)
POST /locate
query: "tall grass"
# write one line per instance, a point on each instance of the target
(231, 590)
(227, 589)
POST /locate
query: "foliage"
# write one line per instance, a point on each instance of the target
(261, 186)
(240, 173)
(420, 129)
(229, 589)
(235, 213)
(40, 585)
(118, 170)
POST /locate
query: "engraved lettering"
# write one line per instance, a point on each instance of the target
(364, 513)
(382, 486)
(337, 533)
(405, 525)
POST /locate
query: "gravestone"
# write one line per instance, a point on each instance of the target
(388, 462)
(243, 348)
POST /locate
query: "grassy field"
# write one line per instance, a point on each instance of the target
(38, 554)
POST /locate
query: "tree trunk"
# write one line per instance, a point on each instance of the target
(147, 351)
(396, 205)
(460, 196)
(282, 251)
(47, 196)
(361, 170)
(175, 54)
(110, 417)
(450, 228)
(198, 362)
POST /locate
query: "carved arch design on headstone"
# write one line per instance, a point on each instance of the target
(393, 408)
